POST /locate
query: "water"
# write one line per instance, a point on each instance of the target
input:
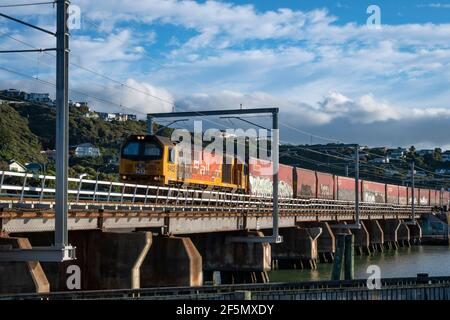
(404, 262)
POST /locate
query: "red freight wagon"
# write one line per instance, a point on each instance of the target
(373, 192)
(402, 195)
(392, 194)
(306, 183)
(416, 195)
(434, 197)
(345, 188)
(424, 197)
(325, 185)
(445, 198)
(260, 179)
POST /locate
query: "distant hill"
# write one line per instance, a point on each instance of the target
(17, 140)
(26, 129)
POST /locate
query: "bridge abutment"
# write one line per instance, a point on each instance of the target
(235, 256)
(298, 249)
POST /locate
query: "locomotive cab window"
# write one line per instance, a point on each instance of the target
(131, 149)
(152, 149)
(142, 150)
(171, 155)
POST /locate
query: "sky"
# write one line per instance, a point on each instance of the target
(329, 69)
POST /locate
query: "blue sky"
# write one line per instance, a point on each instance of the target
(318, 61)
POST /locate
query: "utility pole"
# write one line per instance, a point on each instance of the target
(275, 163)
(357, 185)
(413, 205)
(62, 122)
(61, 250)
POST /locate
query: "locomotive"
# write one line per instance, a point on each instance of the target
(156, 160)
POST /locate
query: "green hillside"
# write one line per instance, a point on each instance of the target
(26, 129)
(17, 141)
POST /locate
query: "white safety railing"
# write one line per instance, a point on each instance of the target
(27, 188)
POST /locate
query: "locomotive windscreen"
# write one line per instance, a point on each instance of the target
(142, 150)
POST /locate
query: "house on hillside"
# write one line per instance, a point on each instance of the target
(38, 97)
(16, 166)
(425, 152)
(380, 160)
(34, 167)
(397, 154)
(51, 154)
(116, 116)
(446, 156)
(13, 94)
(85, 150)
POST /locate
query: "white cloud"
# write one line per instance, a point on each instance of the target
(139, 100)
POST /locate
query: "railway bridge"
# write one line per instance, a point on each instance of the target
(132, 236)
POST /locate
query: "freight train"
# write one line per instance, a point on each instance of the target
(156, 160)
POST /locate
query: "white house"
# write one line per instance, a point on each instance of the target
(86, 150)
(38, 97)
(16, 166)
(380, 160)
(397, 154)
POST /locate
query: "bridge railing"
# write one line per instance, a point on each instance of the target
(39, 190)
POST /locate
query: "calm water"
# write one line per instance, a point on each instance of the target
(404, 262)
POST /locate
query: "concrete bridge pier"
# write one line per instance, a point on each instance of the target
(113, 260)
(403, 235)
(298, 249)
(415, 233)
(326, 242)
(390, 230)
(376, 234)
(235, 256)
(21, 277)
(362, 240)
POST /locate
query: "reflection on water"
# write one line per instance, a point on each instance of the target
(404, 262)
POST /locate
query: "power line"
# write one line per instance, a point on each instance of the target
(26, 4)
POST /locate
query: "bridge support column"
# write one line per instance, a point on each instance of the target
(326, 242)
(362, 240)
(415, 233)
(172, 261)
(21, 277)
(376, 234)
(113, 260)
(237, 260)
(298, 249)
(390, 230)
(403, 235)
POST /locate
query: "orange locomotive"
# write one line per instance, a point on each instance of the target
(156, 160)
